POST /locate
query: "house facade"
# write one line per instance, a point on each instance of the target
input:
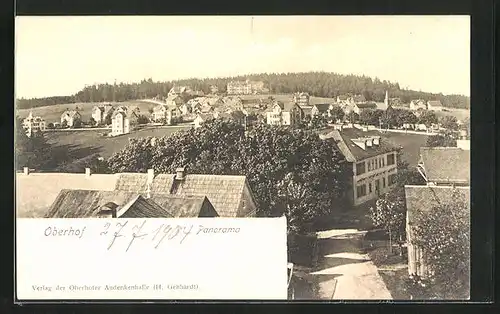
(284, 114)
(245, 87)
(33, 124)
(166, 114)
(70, 117)
(99, 113)
(373, 160)
(179, 91)
(123, 122)
(418, 104)
(434, 105)
(302, 99)
(360, 107)
(320, 110)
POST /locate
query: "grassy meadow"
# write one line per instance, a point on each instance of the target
(53, 113)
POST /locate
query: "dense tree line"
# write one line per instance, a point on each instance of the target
(290, 171)
(320, 84)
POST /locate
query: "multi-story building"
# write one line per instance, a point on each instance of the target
(417, 104)
(245, 87)
(166, 113)
(320, 110)
(33, 124)
(99, 113)
(302, 99)
(284, 114)
(70, 116)
(373, 160)
(123, 121)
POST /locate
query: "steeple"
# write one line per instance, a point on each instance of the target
(386, 100)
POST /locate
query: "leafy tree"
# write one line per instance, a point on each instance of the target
(320, 84)
(389, 213)
(50, 125)
(32, 152)
(441, 140)
(449, 122)
(264, 154)
(150, 110)
(64, 124)
(108, 118)
(370, 116)
(142, 120)
(428, 118)
(92, 121)
(337, 113)
(317, 122)
(443, 233)
(406, 116)
(77, 123)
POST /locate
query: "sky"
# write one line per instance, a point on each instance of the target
(57, 56)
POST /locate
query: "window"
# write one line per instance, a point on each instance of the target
(383, 182)
(390, 159)
(383, 162)
(360, 168)
(361, 190)
(392, 179)
(369, 187)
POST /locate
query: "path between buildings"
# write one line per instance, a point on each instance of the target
(344, 272)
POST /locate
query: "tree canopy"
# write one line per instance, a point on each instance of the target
(320, 84)
(280, 164)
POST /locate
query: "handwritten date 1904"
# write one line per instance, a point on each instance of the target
(157, 236)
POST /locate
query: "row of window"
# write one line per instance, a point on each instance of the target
(361, 190)
(373, 164)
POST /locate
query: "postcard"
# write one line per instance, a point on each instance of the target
(242, 157)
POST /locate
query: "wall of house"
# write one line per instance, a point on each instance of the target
(247, 206)
(376, 168)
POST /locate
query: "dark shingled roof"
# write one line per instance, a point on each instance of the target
(436, 103)
(353, 152)
(88, 203)
(446, 164)
(368, 105)
(421, 198)
(225, 192)
(322, 107)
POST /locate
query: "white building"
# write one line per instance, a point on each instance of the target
(284, 114)
(70, 116)
(373, 160)
(33, 124)
(99, 113)
(123, 122)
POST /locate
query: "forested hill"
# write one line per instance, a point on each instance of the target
(320, 84)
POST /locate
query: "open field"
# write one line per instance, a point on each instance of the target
(53, 113)
(90, 142)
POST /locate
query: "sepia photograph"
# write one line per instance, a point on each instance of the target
(355, 129)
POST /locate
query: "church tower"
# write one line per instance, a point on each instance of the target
(386, 100)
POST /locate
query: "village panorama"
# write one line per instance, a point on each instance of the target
(365, 177)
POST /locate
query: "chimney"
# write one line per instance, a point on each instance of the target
(376, 140)
(151, 175)
(180, 173)
(369, 142)
(87, 172)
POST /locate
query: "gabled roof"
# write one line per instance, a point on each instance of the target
(446, 164)
(353, 152)
(88, 203)
(322, 107)
(359, 98)
(178, 89)
(368, 105)
(434, 103)
(175, 98)
(225, 192)
(422, 198)
(71, 113)
(205, 116)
